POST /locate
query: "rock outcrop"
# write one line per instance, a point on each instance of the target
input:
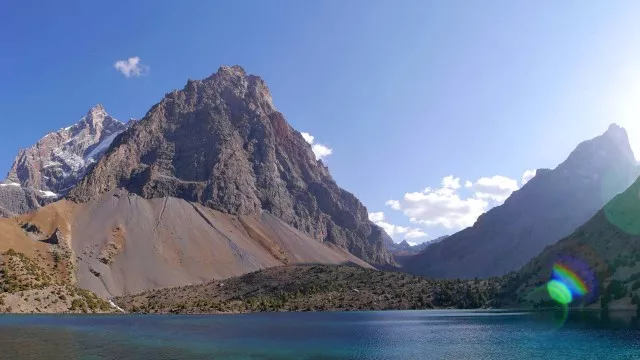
(15, 200)
(221, 142)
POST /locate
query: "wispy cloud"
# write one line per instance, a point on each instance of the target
(131, 67)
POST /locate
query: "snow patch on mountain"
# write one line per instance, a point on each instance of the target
(97, 152)
(59, 160)
(48, 194)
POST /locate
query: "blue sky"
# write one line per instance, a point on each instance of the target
(405, 93)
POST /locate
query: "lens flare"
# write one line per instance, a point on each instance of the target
(560, 315)
(622, 210)
(570, 279)
(559, 292)
(566, 285)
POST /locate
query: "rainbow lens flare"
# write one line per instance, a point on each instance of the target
(559, 292)
(565, 284)
(572, 280)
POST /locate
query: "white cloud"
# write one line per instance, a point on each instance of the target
(307, 137)
(528, 175)
(394, 204)
(496, 188)
(415, 233)
(131, 67)
(376, 216)
(447, 206)
(319, 150)
(443, 207)
(449, 182)
(395, 231)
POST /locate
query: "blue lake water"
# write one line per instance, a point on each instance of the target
(351, 335)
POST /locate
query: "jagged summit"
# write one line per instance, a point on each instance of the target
(96, 117)
(621, 137)
(221, 142)
(235, 70)
(616, 130)
(52, 166)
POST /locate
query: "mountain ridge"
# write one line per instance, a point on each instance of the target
(548, 207)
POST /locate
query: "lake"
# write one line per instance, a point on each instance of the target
(349, 335)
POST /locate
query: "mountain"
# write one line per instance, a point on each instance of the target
(212, 183)
(51, 167)
(404, 248)
(220, 142)
(604, 253)
(547, 208)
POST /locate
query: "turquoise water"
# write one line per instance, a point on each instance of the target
(355, 335)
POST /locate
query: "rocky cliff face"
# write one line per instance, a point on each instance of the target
(222, 143)
(14, 199)
(51, 167)
(549, 207)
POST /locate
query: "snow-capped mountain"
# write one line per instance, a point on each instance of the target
(51, 167)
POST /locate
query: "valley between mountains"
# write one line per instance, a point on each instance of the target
(213, 203)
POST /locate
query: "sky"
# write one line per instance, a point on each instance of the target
(430, 112)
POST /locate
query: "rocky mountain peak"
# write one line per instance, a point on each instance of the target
(221, 142)
(55, 164)
(616, 131)
(95, 122)
(233, 70)
(599, 151)
(95, 116)
(97, 112)
(235, 84)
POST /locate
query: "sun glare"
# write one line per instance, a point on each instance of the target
(625, 105)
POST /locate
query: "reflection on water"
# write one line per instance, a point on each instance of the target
(356, 335)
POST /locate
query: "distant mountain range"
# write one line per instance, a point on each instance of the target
(47, 170)
(547, 208)
(403, 248)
